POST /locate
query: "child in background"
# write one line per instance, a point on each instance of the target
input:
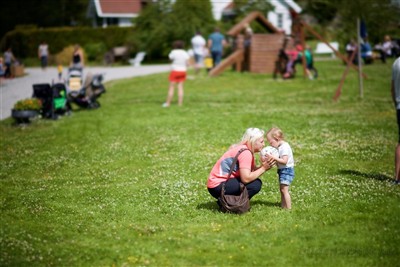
(285, 164)
(180, 61)
(311, 71)
(59, 70)
(208, 61)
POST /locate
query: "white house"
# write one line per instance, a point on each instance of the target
(218, 7)
(280, 17)
(114, 12)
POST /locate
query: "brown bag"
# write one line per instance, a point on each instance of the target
(231, 203)
(235, 204)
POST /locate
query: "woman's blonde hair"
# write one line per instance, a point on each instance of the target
(276, 133)
(250, 137)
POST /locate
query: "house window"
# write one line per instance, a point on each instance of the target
(112, 21)
(280, 20)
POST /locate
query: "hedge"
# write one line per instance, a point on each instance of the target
(25, 41)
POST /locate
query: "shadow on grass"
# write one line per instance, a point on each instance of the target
(375, 176)
(212, 205)
(265, 203)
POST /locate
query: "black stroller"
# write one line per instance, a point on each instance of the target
(54, 99)
(84, 94)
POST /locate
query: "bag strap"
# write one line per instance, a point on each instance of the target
(235, 160)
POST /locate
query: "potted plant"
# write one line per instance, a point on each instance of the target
(26, 109)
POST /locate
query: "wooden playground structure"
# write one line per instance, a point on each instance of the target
(262, 51)
(262, 55)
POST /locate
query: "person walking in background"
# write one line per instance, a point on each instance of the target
(285, 164)
(43, 54)
(77, 58)
(180, 61)
(386, 48)
(395, 90)
(199, 46)
(216, 43)
(8, 60)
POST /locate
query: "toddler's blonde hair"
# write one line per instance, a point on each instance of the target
(276, 133)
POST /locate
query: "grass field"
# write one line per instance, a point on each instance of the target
(124, 185)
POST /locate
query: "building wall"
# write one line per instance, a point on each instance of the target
(264, 52)
(280, 18)
(125, 22)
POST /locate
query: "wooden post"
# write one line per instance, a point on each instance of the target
(360, 81)
(339, 89)
(303, 45)
(239, 46)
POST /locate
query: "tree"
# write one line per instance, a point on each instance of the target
(189, 16)
(381, 17)
(244, 7)
(241, 8)
(149, 25)
(323, 11)
(163, 22)
(42, 13)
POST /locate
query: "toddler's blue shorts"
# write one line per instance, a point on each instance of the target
(286, 176)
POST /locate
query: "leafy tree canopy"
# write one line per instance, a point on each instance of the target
(163, 22)
(381, 17)
(241, 8)
(244, 7)
(43, 13)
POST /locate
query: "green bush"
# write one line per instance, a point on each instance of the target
(65, 56)
(25, 41)
(95, 51)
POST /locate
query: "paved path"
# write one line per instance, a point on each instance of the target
(12, 90)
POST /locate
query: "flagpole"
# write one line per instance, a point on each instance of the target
(360, 79)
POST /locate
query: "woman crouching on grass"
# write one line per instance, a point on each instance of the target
(244, 171)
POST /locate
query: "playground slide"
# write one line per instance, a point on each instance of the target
(236, 57)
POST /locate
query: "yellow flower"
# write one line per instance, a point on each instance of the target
(28, 104)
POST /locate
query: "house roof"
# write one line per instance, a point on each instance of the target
(118, 8)
(255, 15)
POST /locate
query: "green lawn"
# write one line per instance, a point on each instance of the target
(124, 185)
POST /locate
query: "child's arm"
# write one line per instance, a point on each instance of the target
(282, 160)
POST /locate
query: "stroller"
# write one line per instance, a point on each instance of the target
(53, 98)
(84, 94)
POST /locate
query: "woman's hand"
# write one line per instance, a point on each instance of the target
(268, 161)
(248, 176)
